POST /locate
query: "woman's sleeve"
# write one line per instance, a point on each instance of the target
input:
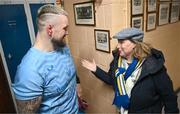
(105, 76)
(165, 89)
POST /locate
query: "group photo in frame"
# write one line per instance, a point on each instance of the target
(102, 40)
(84, 13)
(151, 5)
(137, 22)
(163, 13)
(151, 21)
(137, 7)
(175, 12)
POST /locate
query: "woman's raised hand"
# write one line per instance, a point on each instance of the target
(89, 65)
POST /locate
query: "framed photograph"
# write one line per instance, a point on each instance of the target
(175, 12)
(163, 13)
(102, 40)
(137, 7)
(151, 5)
(137, 22)
(60, 2)
(84, 13)
(151, 21)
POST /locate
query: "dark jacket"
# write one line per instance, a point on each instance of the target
(153, 89)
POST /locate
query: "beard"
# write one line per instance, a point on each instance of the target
(58, 44)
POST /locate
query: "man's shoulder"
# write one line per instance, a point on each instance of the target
(31, 59)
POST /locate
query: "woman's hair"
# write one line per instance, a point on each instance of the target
(47, 12)
(141, 50)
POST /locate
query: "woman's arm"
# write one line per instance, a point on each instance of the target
(165, 89)
(98, 72)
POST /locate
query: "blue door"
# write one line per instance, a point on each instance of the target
(14, 35)
(34, 8)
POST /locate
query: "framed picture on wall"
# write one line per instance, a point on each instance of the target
(60, 2)
(175, 12)
(137, 7)
(137, 22)
(102, 40)
(151, 5)
(84, 13)
(163, 13)
(151, 21)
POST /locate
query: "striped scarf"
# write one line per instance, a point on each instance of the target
(121, 98)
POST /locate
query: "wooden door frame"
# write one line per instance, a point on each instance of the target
(8, 75)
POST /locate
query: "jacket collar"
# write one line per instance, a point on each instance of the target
(152, 64)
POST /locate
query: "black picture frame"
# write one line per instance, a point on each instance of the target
(84, 13)
(102, 40)
(137, 7)
(151, 6)
(175, 12)
(137, 22)
(163, 13)
(151, 21)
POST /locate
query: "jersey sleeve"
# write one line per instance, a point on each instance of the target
(28, 84)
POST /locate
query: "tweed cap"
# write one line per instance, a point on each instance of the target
(130, 33)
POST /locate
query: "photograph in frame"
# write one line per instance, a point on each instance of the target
(151, 21)
(175, 12)
(151, 5)
(102, 40)
(137, 22)
(163, 13)
(84, 13)
(61, 3)
(137, 7)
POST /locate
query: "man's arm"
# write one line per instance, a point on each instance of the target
(29, 106)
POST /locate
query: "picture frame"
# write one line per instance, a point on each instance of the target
(61, 3)
(102, 40)
(137, 22)
(151, 5)
(151, 21)
(84, 13)
(137, 7)
(175, 12)
(163, 16)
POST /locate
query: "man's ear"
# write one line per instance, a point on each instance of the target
(49, 30)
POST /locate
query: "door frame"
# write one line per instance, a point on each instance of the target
(7, 74)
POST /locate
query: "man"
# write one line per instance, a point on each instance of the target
(45, 81)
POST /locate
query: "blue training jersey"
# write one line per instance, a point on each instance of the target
(51, 75)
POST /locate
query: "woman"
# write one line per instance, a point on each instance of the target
(138, 76)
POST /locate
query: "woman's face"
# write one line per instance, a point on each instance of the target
(125, 48)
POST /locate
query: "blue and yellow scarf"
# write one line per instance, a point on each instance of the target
(121, 98)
